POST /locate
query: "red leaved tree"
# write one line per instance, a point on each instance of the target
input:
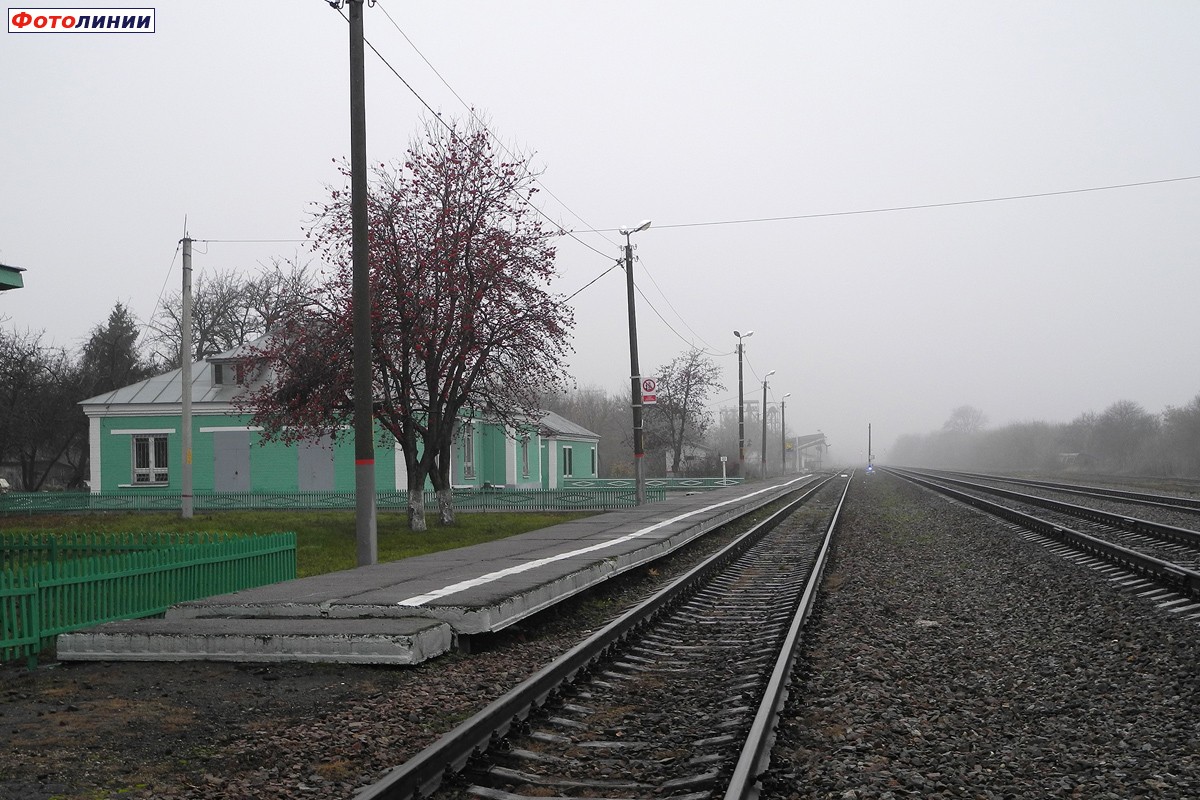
(462, 320)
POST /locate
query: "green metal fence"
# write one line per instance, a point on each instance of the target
(666, 484)
(581, 498)
(52, 584)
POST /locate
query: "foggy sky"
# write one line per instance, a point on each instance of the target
(828, 174)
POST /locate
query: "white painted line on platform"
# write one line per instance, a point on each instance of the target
(461, 586)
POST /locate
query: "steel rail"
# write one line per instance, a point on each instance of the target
(1173, 575)
(1158, 530)
(755, 756)
(422, 774)
(1144, 498)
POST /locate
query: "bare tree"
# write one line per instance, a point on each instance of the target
(39, 386)
(1124, 434)
(230, 309)
(681, 417)
(965, 419)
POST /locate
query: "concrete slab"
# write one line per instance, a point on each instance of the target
(373, 641)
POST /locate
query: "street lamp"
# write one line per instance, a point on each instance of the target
(639, 469)
(783, 433)
(741, 406)
(763, 448)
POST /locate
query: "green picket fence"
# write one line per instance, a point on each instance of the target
(52, 584)
(665, 484)
(572, 498)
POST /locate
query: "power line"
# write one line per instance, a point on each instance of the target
(889, 209)
(682, 338)
(470, 110)
(247, 241)
(708, 348)
(616, 264)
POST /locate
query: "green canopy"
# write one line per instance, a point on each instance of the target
(10, 277)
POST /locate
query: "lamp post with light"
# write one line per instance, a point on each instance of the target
(741, 406)
(763, 448)
(639, 469)
(783, 433)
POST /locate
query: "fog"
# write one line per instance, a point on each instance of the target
(914, 206)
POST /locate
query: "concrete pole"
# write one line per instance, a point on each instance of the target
(741, 417)
(783, 437)
(639, 466)
(763, 442)
(185, 381)
(365, 525)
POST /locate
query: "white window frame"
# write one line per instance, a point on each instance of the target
(153, 473)
(568, 461)
(525, 456)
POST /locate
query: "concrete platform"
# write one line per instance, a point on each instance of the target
(395, 641)
(404, 612)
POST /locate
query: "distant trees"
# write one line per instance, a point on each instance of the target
(230, 309)
(1122, 439)
(606, 414)
(37, 389)
(42, 428)
(462, 319)
(1179, 434)
(111, 358)
(965, 419)
(1124, 435)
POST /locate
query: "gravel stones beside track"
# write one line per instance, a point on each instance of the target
(952, 659)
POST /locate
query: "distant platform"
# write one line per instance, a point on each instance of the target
(408, 611)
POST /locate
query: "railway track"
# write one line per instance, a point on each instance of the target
(1159, 561)
(676, 698)
(1174, 503)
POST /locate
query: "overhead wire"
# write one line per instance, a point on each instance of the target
(708, 348)
(162, 290)
(561, 228)
(890, 209)
(247, 241)
(471, 110)
(618, 263)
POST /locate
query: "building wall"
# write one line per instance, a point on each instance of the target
(582, 463)
(274, 467)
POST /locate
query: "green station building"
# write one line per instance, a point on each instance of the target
(136, 443)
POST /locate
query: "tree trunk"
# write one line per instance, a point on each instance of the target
(416, 510)
(416, 492)
(442, 483)
(445, 501)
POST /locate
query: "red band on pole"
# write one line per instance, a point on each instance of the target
(363, 462)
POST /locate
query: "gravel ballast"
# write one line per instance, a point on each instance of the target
(950, 658)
